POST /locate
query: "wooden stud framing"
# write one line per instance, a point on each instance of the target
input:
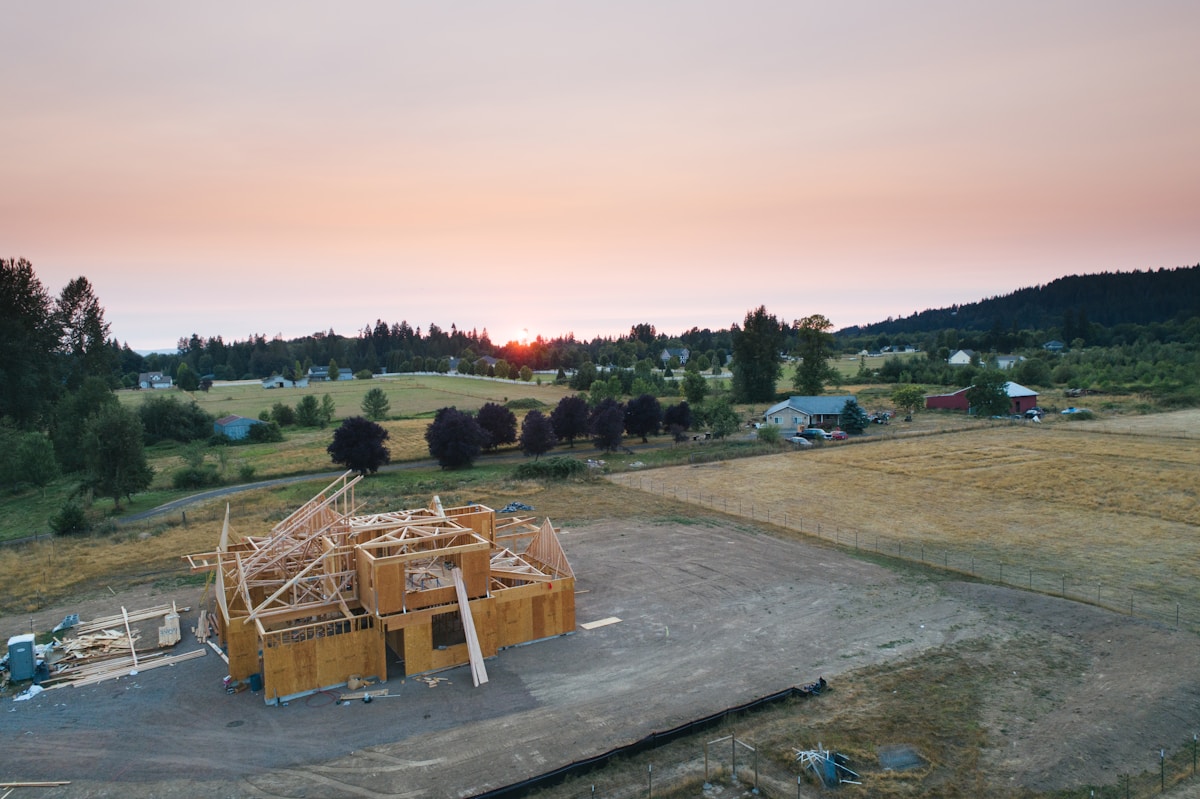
(320, 596)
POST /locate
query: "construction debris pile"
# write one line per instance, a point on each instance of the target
(831, 768)
(107, 648)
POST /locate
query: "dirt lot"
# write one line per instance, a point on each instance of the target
(712, 615)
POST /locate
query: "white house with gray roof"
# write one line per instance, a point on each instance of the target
(802, 412)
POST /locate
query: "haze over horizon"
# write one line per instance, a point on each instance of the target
(294, 167)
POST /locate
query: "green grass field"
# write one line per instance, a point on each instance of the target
(410, 395)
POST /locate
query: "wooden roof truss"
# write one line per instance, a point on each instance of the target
(305, 570)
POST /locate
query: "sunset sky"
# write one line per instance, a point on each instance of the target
(287, 167)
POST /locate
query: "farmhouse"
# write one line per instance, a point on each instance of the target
(327, 594)
(153, 380)
(682, 353)
(320, 374)
(801, 412)
(234, 427)
(1022, 399)
(278, 381)
(961, 357)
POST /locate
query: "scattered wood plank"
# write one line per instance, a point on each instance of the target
(365, 696)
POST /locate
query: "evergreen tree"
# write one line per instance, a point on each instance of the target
(358, 444)
(114, 454)
(308, 411)
(29, 337)
(84, 333)
(328, 409)
(333, 374)
(537, 434)
(815, 349)
(756, 348)
(853, 419)
(375, 404)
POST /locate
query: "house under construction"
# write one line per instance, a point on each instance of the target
(327, 593)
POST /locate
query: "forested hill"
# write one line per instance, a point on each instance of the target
(1107, 298)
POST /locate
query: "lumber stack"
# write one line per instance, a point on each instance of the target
(107, 648)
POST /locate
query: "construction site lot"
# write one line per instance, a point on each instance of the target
(693, 617)
(686, 607)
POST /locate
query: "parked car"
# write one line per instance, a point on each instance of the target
(801, 442)
(1076, 410)
(839, 435)
(813, 433)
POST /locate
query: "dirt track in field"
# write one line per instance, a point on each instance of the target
(712, 615)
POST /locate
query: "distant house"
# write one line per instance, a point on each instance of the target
(1022, 399)
(320, 374)
(234, 427)
(961, 357)
(801, 412)
(682, 353)
(1008, 361)
(1054, 345)
(153, 380)
(279, 381)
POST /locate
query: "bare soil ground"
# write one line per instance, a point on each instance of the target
(712, 615)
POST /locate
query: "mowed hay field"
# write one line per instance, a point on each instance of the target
(409, 395)
(1110, 507)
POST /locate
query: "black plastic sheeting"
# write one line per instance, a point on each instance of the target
(651, 741)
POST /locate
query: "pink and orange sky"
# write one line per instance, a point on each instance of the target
(287, 167)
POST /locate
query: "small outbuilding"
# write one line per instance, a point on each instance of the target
(234, 427)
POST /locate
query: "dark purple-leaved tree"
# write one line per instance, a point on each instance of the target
(570, 419)
(608, 424)
(537, 434)
(455, 438)
(358, 445)
(643, 417)
(499, 423)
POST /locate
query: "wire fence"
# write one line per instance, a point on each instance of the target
(1180, 613)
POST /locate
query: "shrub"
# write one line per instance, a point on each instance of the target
(245, 472)
(525, 404)
(196, 477)
(71, 520)
(558, 468)
(1080, 416)
(264, 433)
(364, 374)
(769, 434)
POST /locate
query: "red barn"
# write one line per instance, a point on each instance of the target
(1022, 399)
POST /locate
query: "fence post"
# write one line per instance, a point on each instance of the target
(649, 779)
(1064, 591)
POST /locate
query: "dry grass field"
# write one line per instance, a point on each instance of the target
(1101, 508)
